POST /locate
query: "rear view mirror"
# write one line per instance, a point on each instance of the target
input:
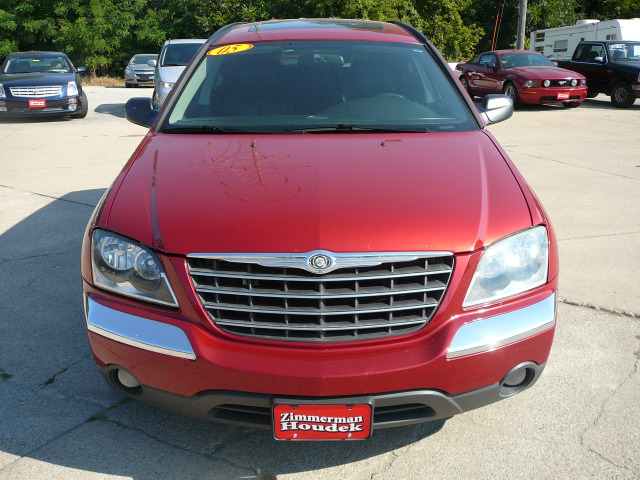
(495, 108)
(140, 111)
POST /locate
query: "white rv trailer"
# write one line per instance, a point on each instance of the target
(561, 42)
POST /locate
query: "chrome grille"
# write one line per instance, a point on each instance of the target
(36, 91)
(381, 299)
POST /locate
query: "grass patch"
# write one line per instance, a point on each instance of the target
(90, 81)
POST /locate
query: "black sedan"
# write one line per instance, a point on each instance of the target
(41, 83)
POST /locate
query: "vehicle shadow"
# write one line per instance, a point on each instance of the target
(56, 408)
(115, 109)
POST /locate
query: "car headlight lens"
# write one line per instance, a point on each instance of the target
(166, 84)
(546, 83)
(2, 94)
(574, 83)
(130, 269)
(128, 71)
(531, 83)
(510, 266)
(72, 89)
(583, 82)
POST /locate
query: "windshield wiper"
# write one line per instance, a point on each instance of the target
(349, 128)
(203, 129)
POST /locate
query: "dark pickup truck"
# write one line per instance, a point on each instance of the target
(612, 68)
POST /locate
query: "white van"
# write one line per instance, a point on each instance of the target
(560, 42)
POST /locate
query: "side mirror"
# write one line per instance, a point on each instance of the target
(496, 108)
(81, 70)
(599, 59)
(140, 111)
(492, 65)
(152, 63)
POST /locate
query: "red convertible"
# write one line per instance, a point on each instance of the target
(527, 77)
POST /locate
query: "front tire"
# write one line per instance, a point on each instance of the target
(511, 91)
(465, 84)
(622, 96)
(84, 107)
(571, 104)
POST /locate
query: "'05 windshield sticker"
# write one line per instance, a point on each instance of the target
(227, 49)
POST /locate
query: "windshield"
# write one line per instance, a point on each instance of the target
(34, 63)
(307, 86)
(624, 51)
(178, 54)
(142, 59)
(512, 60)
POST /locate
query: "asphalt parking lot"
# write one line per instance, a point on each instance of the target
(59, 420)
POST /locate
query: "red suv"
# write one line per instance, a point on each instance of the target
(319, 236)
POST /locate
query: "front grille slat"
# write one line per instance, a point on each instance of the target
(45, 91)
(375, 300)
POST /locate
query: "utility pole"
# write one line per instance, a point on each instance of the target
(522, 23)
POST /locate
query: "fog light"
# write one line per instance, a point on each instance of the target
(518, 378)
(127, 379)
(3, 109)
(73, 100)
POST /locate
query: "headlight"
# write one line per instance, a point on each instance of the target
(130, 269)
(166, 84)
(531, 83)
(72, 89)
(510, 266)
(574, 83)
(2, 94)
(128, 71)
(583, 82)
(546, 83)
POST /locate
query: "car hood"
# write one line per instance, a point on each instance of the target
(36, 79)
(170, 74)
(297, 193)
(544, 73)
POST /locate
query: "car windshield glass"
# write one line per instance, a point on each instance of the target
(37, 64)
(142, 59)
(178, 54)
(627, 51)
(319, 86)
(512, 60)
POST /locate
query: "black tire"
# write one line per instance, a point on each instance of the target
(622, 96)
(84, 107)
(465, 84)
(154, 100)
(571, 104)
(511, 91)
(128, 85)
(592, 95)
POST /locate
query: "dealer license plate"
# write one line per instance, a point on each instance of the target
(322, 422)
(39, 103)
(563, 96)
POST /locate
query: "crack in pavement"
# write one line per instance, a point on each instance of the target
(613, 311)
(598, 236)
(573, 165)
(600, 414)
(75, 202)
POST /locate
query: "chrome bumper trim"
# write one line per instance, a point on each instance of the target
(137, 332)
(493, 332)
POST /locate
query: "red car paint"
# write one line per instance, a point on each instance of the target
(359, 192)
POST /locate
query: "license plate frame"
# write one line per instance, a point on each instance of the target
(37, 103)
(294, 420)
(564, 95)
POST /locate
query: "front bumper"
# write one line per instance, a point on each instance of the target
(54, 106)
(553, 95)
(139, 78)
(185, 369)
